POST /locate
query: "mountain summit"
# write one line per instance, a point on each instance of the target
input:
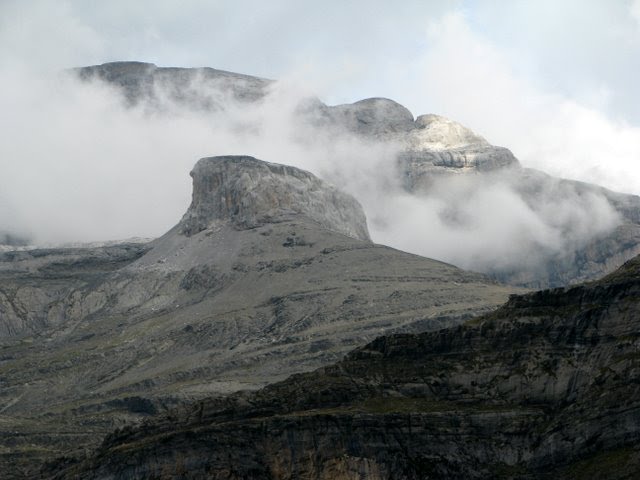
(250, 193)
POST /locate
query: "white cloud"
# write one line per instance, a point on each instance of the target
(41, 35)
(634, 10)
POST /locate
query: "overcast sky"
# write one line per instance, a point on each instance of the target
(554, 81)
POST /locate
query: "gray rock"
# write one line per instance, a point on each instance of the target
(544, 387)
(372, 117)
(197, 88)
(251, 193)
(421, 168)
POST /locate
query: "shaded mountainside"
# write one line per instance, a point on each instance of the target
(547, 386)
(270, 272)
(433, 155)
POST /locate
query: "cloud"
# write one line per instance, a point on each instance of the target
(484, 223)
(45, 36)
(634, 10)
(78, 165)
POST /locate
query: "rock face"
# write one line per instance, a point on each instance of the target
(251, 193)
(372, 117)
(247, 289)
(43, 288)
(544, 387)
(199, 88)
(438, 146)
(434, 151)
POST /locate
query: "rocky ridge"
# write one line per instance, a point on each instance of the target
(199, 88)
(246, 290)
(544, 387)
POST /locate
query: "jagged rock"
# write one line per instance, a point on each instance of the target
(251, 193)
(544, 387)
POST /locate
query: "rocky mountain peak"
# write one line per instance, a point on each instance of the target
(439, 133)
(249, 193)
(195, 88)
(373, 116)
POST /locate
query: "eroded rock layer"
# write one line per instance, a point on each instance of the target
(547, 386)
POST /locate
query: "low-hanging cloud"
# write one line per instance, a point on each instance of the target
(101, 169)
(79, 164)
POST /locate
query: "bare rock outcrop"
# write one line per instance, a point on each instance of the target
(198, 88)
(250, 193)
(371, 117)
(430, 149)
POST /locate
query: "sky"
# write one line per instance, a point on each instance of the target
(556, 82)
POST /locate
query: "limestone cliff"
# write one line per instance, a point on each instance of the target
(251, 193)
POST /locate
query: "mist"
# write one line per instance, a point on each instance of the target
(79, 164)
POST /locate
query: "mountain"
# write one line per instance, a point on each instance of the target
(200, 88)
(270, 272)
(546, 386)
(565, 231)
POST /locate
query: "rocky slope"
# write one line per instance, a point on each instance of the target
(547, 386)
(270, 272)
(593, 230)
